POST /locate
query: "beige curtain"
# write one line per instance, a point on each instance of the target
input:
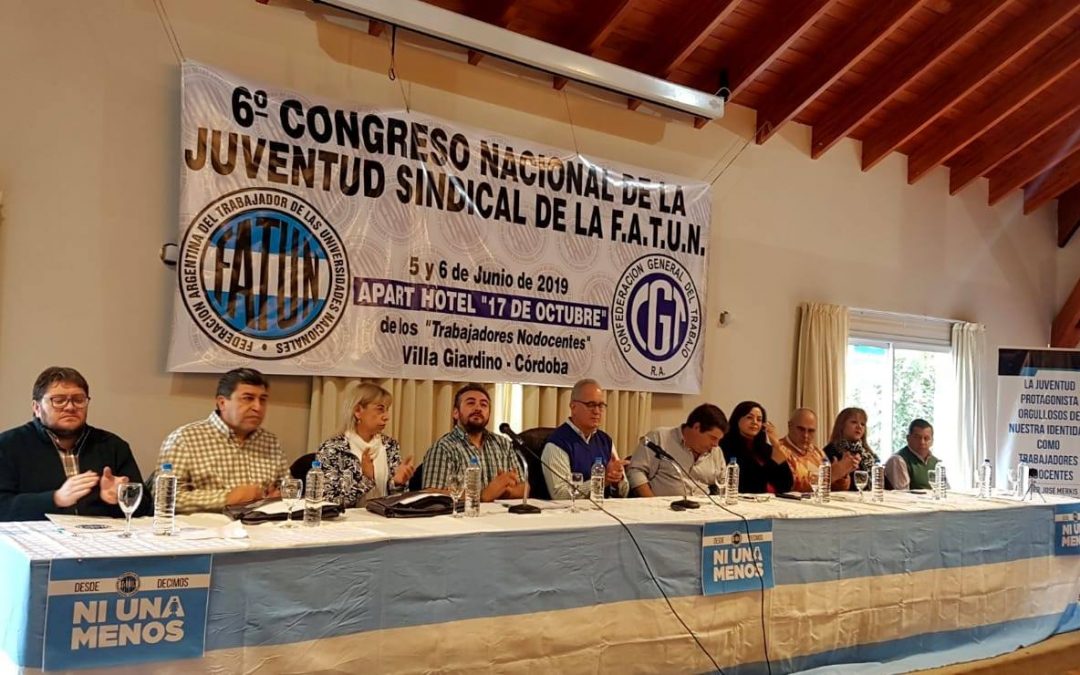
(419, 415)
(819, 370)
(628, 414)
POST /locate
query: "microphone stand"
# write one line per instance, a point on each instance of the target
(685, 502)
(524, 507)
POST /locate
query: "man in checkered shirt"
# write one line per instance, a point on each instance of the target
(227, 458)
(499, 464)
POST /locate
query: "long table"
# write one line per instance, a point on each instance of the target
(908, 583)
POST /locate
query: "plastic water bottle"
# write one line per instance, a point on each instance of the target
(314, 488)
(165, 501)
(597, 478)
(472, 488)
(824, 476)
(986, 477)
(877, 483)
(1021, 479)
(731, 494)
(941, 489)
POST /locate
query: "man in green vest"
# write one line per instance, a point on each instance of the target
(908, 469)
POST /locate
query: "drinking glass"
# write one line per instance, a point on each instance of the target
(815, 486)
(576, 481)
(346, 488)
(1012, 481)
(931, 475)
(456, 488)
(291, 489)
(128, 496)
(862, 478)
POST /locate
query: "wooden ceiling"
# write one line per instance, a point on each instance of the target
(988, 88)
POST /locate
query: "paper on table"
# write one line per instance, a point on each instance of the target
(86, 524)
(275, 508)
(232, 530)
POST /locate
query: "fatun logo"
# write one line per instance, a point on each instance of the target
(127, 584)
(263, 274)
(656, 316)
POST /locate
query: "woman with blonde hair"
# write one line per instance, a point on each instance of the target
(362, 463)
(847, 449)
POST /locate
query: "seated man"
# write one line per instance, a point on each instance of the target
(227, 458)
(804, 456)
(449, 455)
(574, 446)
(909, 467)
(57, 463)
(694, 445)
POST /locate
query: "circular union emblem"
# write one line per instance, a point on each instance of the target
(263, 274)
(656, 316)
(127, 584)
(736, 538)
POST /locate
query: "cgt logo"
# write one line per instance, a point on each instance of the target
(656, 316)
(263, 274)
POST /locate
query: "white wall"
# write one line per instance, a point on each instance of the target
(88, 166)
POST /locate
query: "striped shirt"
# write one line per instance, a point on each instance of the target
(451, 452)
(209, 461)
(69, 458)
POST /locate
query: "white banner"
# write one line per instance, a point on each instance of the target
(1039, 416)
(319, 239)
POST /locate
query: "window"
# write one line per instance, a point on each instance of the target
(899, 368)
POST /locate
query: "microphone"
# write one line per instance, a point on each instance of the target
(519, 445)
(685, 502)
(656, 449)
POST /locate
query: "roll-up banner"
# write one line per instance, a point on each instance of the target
(1039, 416)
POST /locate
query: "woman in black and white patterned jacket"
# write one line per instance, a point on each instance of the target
(361, 463)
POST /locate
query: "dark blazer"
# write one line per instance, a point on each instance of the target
(31, 471)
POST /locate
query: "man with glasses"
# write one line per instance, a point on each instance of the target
(574, 446)
(694, 445)
(57, 463)
(227, 459)
(499, 464)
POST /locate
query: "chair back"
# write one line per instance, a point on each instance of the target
(535, 439)
(301, 466)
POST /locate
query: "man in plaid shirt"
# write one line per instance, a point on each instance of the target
(450, 454)
(227, 458)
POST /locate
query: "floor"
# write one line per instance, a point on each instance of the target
(1060, 655)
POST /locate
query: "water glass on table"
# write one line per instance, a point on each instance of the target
(577, 481)
(291, 489)
(862, 479)
(456, 487)
(815, 486)
(128, 496)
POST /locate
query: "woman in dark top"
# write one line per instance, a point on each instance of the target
(847, 448)
(753, 443)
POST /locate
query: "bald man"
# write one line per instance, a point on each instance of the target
(804, 456)
(574, 446)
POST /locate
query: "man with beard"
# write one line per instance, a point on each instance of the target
(499, 466)
(57, 463)
(228, 458)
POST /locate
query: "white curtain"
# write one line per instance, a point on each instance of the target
(968, 351)
(819, 375)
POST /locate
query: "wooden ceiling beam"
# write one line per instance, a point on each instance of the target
(763, 43)
(1045, 150)
(685, 36)
(1030, 27)
(860, 35)
(595, 24)
(1068, 215)
(1065, 331)
(1055, 181)
(880, 86)
(1010, 137)
(946, 140)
